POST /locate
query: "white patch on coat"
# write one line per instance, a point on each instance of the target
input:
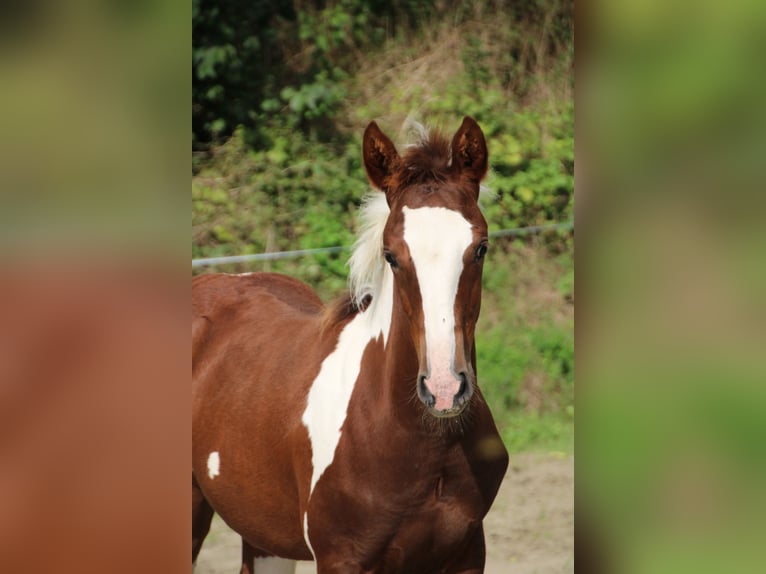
(274, 565)
(437, 239)
(213, 465)
(306, 533)
(330, 393)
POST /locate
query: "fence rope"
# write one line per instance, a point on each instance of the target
(340, 248)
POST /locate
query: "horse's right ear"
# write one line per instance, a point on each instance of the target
(381, 160)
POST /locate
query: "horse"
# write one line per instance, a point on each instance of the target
(354, 434)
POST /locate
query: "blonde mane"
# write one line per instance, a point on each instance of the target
(366, 265)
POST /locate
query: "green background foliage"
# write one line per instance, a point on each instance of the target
(282, 92)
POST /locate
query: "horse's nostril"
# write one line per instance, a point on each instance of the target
(425, 395)
(464, 392)
(463, 385)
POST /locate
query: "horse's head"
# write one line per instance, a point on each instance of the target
(434, 241)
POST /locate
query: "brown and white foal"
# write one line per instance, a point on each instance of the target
(356, 435)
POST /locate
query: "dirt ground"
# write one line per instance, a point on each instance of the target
(530, 529)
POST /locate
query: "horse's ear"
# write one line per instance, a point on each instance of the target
(469, 150)
(381, 160)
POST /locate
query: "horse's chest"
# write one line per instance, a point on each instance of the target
(431, 535)
(425, 540)
(405, 528)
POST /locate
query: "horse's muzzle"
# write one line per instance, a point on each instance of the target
(445, 398)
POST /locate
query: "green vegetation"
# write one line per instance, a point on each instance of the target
(525, 344)
(282, 93)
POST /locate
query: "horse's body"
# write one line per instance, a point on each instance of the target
(355, 435)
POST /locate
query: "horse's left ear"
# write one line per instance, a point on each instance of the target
(469, 151)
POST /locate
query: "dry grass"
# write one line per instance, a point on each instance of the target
(396, 84)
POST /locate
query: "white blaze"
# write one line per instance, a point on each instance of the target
(437, 239)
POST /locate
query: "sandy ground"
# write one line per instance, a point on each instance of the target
(530, 529)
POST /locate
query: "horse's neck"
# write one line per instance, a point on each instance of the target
(395, 380)
(400, 369)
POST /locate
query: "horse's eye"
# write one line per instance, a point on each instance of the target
(481, 250)
(390, 259)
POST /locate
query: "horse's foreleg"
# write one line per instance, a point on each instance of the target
(248, 556)
(202, 515)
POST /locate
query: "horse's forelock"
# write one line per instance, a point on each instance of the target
(428, 159)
